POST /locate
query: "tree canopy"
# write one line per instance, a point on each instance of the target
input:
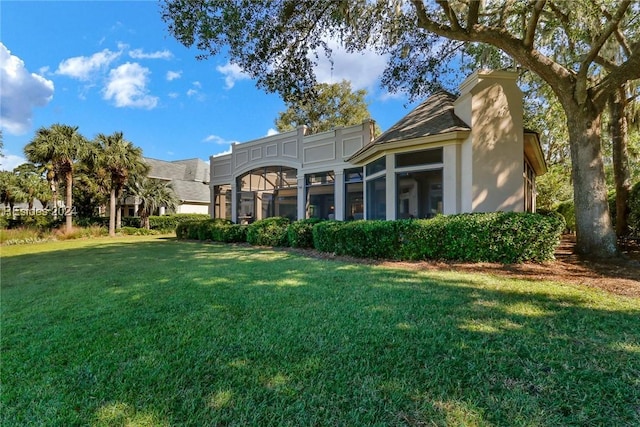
(335, 105)
(565, 43)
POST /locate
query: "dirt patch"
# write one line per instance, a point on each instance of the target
(619, 276)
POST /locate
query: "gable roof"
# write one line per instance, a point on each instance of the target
(434, 116)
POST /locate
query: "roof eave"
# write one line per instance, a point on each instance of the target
(371, 152)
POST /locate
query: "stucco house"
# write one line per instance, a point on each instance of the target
(189, 179)
(449, 155)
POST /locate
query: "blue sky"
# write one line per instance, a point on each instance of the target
(108, 66)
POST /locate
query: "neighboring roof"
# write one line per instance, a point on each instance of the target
(189, 178)
(188, 170)
(191, 191)
(432, 117)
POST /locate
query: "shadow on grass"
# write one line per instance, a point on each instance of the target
(169, 332)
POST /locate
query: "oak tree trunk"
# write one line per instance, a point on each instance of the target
(595, 236)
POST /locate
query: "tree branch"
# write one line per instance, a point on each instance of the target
(629, 70)
(444, 4)
(533, 23)
(619, 36)
(472, 17)
(600, 41)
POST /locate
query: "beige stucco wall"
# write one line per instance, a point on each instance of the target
(188, 208)
(492, 156)
(322, 152)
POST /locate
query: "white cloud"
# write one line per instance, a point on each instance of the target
(127, 87)
(223, 153)
(362, 69)
(172, 75)
(272, 132)
(11, 161)
(232, 73)
(192, 92)
(20, 92)
(160, 54)
(217, 140)
(197, 84)
(82, 67)
(173, 95)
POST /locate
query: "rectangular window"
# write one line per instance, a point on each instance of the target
(423, 157)
(246, 207)
(222, 201)
(419, 194)
(529, 188)
(320, 195)
(377, 166)
(354, 196)
(376, 198)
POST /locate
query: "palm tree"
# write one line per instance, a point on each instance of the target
(152, 194)
(119, 159)
(10, 190)
(32, 184)
(59, 148)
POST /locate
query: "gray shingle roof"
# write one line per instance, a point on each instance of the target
(189, 178)
(432, 117)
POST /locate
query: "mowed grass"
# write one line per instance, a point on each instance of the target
(150, 331)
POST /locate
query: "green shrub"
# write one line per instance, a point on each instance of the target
(131, 221)
(235, 233)
(368, 239)
(300, 233)
(213, 229)
(4, 221)
(568, 211)
(324, 235)
(269, 232)
(35, 221)
(134, 231)
(89, 221)
(505, 237)
(188, 229)
(168, 223)
(634, 210)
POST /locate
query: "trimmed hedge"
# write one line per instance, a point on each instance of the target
(188, 230)
(504, 237)
(222, 230)
(269, 232)
(300, 233)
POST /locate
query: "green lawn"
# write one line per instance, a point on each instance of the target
(158, 332)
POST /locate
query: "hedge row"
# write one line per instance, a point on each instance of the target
(504, 237)
(163, 224)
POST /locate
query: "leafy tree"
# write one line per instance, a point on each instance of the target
(275, 43)
(116, 159)
(33, 184)
(59, 148)
(334, 105)
(153, 194)
(10, 190)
